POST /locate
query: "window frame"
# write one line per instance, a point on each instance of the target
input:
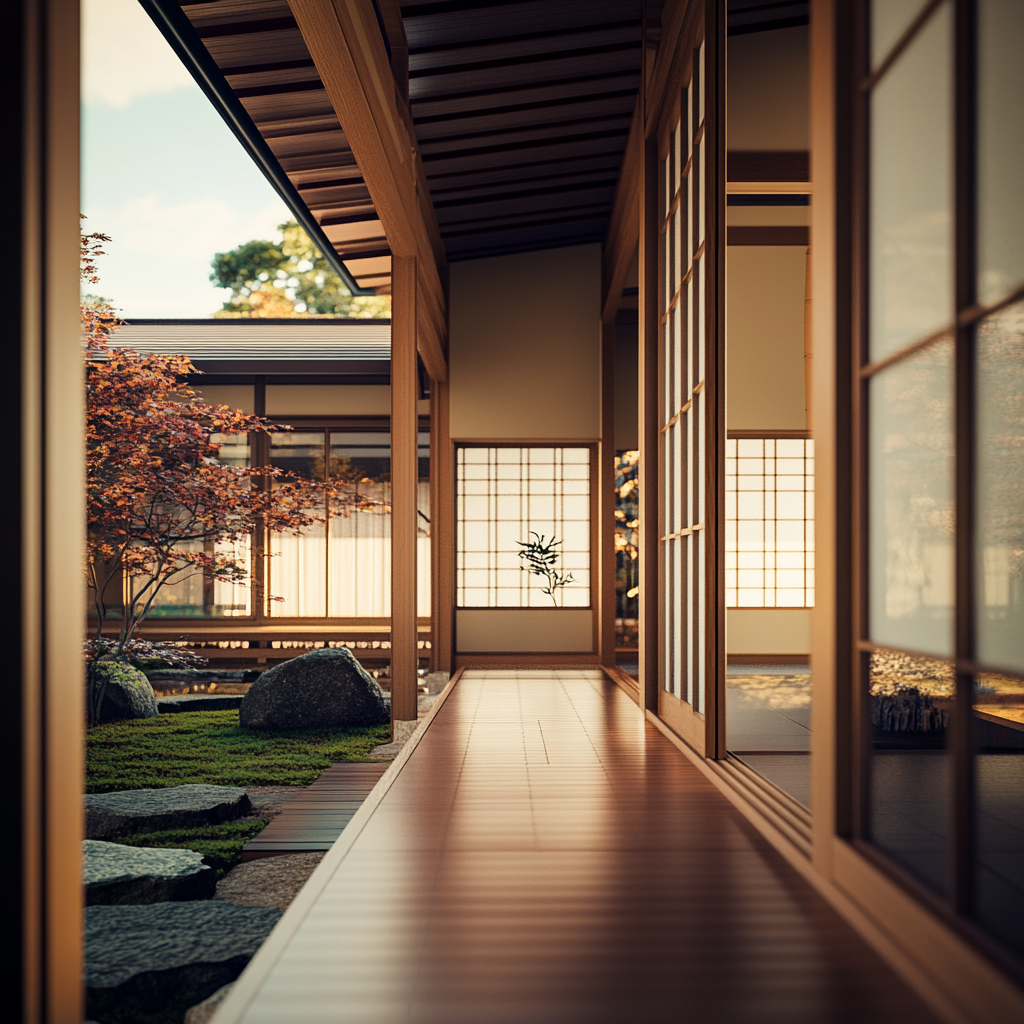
(259, 616)
(594, 511)
(956, 906)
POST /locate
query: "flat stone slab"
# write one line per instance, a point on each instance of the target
(200, 702)
(116, 874)
(151, 810)
(150, 956)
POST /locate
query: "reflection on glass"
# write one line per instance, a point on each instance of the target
(343, 569)
(911, 192)
(911, 502)
(911, 701)
(191, 595)
(889, 20)
(999, 348)
(1000, 148)
(999, 872)
(768, 718)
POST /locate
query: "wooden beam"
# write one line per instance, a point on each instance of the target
(345, 43)
(404, 487)
(605, 483)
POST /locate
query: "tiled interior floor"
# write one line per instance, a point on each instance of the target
(768, 723)
(548, 857)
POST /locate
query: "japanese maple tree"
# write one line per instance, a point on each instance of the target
(161, 505)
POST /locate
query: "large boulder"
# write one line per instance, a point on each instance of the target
(118, 691)
(149, 958)
(326, 687)
(152, 810)
(115, 874)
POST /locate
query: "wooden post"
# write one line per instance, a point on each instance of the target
(605, 483)
(442, 530)
(43, 520)
(404, 485)
(648, 437)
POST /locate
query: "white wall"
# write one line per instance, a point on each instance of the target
(769, 95)
(765, 291)
(768, 630)
(524, 348)
(504, 630)
(524, 345)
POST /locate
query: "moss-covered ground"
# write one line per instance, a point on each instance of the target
(211, 747)
(221, 845)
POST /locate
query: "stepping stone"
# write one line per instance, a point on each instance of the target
(152, 810)
(200, 702)
(115, 874)
(147, 958)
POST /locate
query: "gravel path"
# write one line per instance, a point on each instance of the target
(268, 882)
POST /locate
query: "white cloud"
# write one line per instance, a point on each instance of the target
(124, 56)
(158, 262)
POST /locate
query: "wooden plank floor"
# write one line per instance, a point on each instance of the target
(314, 818)
(547, 857)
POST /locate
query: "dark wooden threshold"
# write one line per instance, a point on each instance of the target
(768, 659)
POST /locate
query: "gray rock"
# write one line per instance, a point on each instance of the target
(200, 702)
(115, 874)
(434, 682)
(326, 687)
(202, 1013)
(149, 957)
(120, 692)
(150, 810)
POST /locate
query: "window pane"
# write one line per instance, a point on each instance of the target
(910, 512)
(299, 452)
(911, 699)
(1000, 148)
(911, 192)
(999, 878)
(999, 553)
(517, 495)
(889, 20)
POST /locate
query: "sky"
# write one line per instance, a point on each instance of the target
(161, 172)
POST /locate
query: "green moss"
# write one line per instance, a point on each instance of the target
(221, 845)
(211, 747)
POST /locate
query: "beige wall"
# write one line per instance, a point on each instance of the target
(529, 630)
(765, 337)
(237, 396)
(768, 630)
(332, 400)
(525, 345)
(769, 97)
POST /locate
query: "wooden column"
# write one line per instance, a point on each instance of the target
(442, 530)
(606, 498)
(648, 437)
(404, 483)
(42, 518)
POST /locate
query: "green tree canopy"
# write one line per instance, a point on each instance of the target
(289, 278)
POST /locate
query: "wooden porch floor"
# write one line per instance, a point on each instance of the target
(547, 857)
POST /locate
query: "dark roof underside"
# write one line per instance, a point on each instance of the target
(522, 110)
